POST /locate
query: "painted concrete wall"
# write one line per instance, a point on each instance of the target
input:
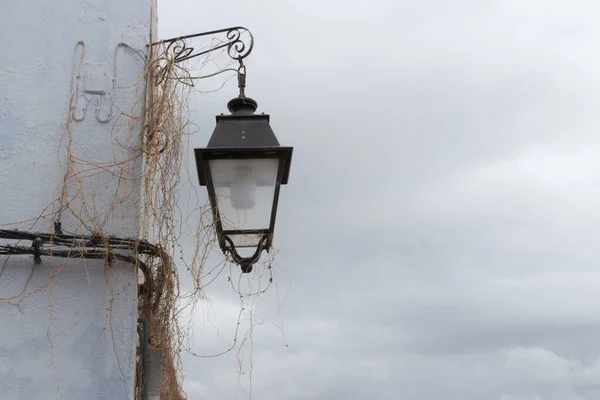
(74, 339)
(69, 75)
(46, 46)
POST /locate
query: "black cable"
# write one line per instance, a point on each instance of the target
(83, 246)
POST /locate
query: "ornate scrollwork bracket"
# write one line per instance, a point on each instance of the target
(246, 263)
(177, 49)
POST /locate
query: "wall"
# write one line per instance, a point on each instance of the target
(74, 339)
(70, 78)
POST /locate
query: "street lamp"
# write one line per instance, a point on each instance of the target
(243, 166)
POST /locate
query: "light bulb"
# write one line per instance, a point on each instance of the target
(243, 188)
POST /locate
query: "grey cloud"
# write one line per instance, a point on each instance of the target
(437, 239)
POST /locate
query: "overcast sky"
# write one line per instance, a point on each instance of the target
(438, 238)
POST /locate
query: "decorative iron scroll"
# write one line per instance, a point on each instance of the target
(177, 49)
(245, 263)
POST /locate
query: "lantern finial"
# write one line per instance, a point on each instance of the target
(242, 105)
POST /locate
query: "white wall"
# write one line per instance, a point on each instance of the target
(73, 338)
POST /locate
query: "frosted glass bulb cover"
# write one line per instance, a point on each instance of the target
(243, 188)
(245, 193)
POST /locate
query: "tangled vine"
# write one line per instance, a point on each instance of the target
(145, 176)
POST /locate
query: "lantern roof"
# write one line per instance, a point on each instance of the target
(243, 134)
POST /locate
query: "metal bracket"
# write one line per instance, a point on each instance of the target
(246, 263)
(177, 49)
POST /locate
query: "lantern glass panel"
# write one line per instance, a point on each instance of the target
(245, 240)
(245, 191)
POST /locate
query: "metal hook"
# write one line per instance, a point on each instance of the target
(242, 79)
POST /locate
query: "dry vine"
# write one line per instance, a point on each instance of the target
(81, 207)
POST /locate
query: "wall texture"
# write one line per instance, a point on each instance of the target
(74, 339)
(70, 89)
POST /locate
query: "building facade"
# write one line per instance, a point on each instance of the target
(72, 98)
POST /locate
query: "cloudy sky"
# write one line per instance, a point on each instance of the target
(438, 238)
